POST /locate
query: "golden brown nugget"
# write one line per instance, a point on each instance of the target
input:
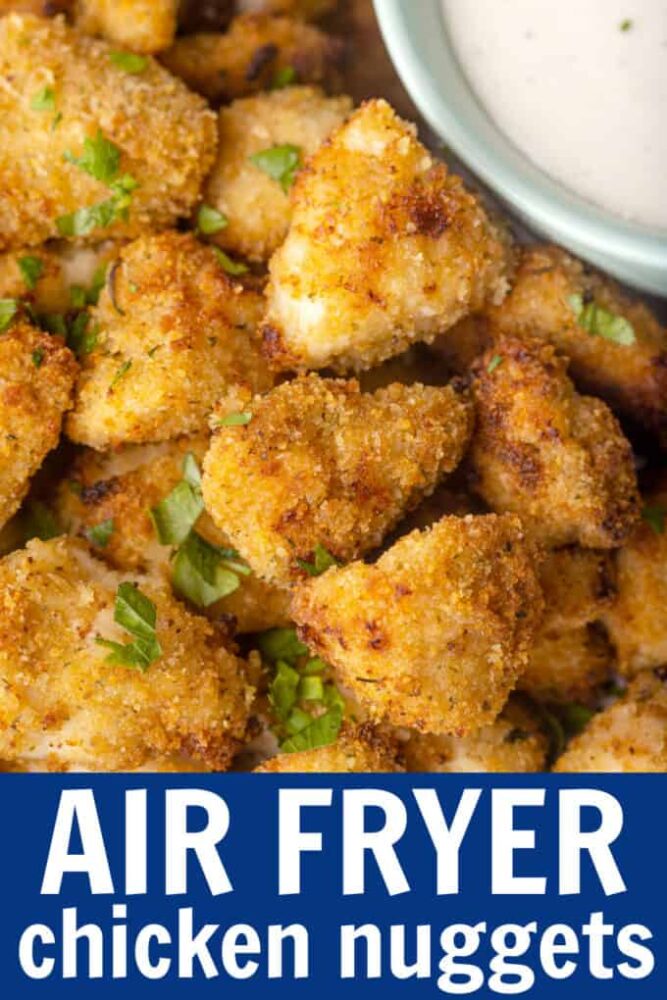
(358, 750)
(257, 53)
(579, 586)
(630, 735)
(174, 335)
(616, 346)
(307, 9)
(637, 622)
(65, 706)
(37, 375)
(55, 277)
(295, 122)
(322, 465)
(568, 666)
(514, 742)
(434, 634)
(385, 248)
(41, 8)
(541, 450)
(139, 25)
(121, 488)
(138, 145)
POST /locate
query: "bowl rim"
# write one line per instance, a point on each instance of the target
(505, 169)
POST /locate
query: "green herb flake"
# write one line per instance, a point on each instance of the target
(79, 338)
(283, 77)
(283, 690)
(31, 269)
(210, 220)
(37, 357)
(8, 310)
(575, 718)
(229, 266)
(101, 215)
(100, 534)
(176, 515)
(121, 373)
(655, 517)
(44, 100)
(626, 24)
(77, 296)
(600, 322)
(280, 163)
(311, 689)
(100, 158)
(495, 361)
(200, 572)
(38, 521)
(322, 561)
(321, 732)
(129, 62)
(235, 419)
(191, 471)
(281, 644)
(57, 118)
(53, 323)
(137, 614)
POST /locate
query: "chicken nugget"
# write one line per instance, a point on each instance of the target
(637, 621)
(69, 703)
(515, 742)
(263, 141)
(37, 375)
(579, 586)
(173, 335)
(434, 634)
(41, 8)
(629, 736)
(108, 499)
(358, 750)
(385, 248)
(56, 277)
(616, 346)
(91, 150)
(568, 665)
(257, 53)
(322, 468)
(139, 25)
(541, 450)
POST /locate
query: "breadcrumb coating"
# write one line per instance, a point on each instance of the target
(637, 622)
(63, 706)
(629, 736)
(385, 248)
(123, 487)
(37, 375)
(541, 450)
(62, 266)
(568, 666)
(514, 742)
(256, 206)
(41, 8)
(435, 634)
(139, 25)
(255, 54)
(358, 750)
(579, 585)
(630, 377)
(165, 134)
(174, 335)
(322, 464)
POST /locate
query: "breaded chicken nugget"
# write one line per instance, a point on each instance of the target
(91, 150)
(64, 702)
(174, 335)
(307, 9)
(55, 277)
(514, 742)
(140, 25)
(109, 498)
(568, 666)
(433, 635)
(630, 735)
(322, 466)
(579, 586)
(617, 348)
(257, 53)
(385, 248)
(281, 128)
(541, 450)
(42, 8)
(37, 374)
(637, 622)
(358, 750)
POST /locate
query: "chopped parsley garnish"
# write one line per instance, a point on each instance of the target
(100, 158)
(101, 533)
(31, 269)
(102, 214)
(54, 323)
(176, 515)
(575, 717)
(78, 297)
(57, 118)
(322, 561)
(281, 644)
(129, 62)
(496, 360)
(228, 265)
(136, 613)
(78, 337)
(600, 322)
(655, 516)
(235, 420)
(210, 220)
(8, 310)
(279, 162)
(37, 521)
(81, 297)
(283, 77)
(44, 100)
(308, 708)
(121, 373)
(38, 357)
(626, 24)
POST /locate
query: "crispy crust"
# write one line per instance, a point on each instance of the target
(358, 750)
(140, 25)
(435, 634)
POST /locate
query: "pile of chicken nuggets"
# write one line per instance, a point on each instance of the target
(304, 464)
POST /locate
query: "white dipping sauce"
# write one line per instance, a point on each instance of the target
(584, 99)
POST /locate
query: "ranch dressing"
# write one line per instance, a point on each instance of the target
(580, 87)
